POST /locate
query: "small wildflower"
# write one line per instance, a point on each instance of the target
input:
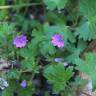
(42, 18)
(23, 84)
(20, 41)
(65, 64)
(89, 85)
(32, 17)
(58, 59)
(57, 40)
(3, 83)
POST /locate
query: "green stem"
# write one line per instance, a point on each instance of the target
(32, 76)
(28, 1)
(17, 54)
(85, 93)
(19, 6)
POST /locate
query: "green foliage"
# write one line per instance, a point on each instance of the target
(27, 91)
(52, 4)
(26, 53)
(30, 64)
(13, 74)
(86, 32)
(87, 8)
(39, 21)
(75, 51)
(6, 35)
(47, 48)
(6, 29)
(58, 76)
(36, 41)
(55, 18)
(9, 90)
(88, 66)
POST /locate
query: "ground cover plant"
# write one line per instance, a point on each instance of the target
(45, 46)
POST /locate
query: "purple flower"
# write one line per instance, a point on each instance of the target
(23, 84)
(57, 40)
(20, 41)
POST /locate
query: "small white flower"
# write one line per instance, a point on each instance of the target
(32, 17)
(89, 85)
(3, 83)
(58, 60)
(65, 64)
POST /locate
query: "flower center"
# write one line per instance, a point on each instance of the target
(59, 39)
(20, 39)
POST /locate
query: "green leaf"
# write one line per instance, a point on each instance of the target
(13, 74)
(6, 28)
(38, 37)
(55, 18)
(75, 51)
(2, 2)
(58, 76)
(86, 31)
(26, 53)
(52, 4)
(87, 8)
(47, 48)
(29, 64)
(5, 31)
(88, 66)
(29, 91)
